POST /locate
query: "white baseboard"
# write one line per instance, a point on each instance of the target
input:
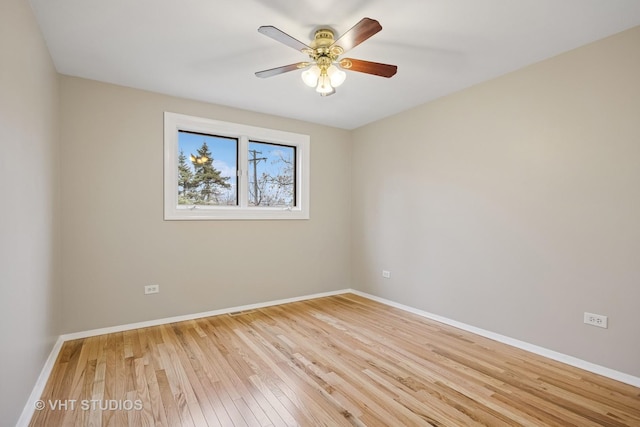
(127, 327)
(29, 408)
(554, 355)
(27, 412)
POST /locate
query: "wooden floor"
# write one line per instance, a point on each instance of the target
(335, 361)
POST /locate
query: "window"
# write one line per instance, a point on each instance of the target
(220, 170)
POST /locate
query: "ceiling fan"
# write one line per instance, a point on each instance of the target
(324, 70)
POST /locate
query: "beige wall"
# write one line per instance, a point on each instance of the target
(115, 239)
(29, 285)
(514, 206)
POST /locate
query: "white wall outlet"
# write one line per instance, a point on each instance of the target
(151, 289)
(595, 320)
(386, 274)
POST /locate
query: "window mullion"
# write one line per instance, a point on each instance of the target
(243, 176)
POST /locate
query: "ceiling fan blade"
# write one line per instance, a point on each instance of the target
(375, 68)
(280, 70)
(358, 33)
(282, 37)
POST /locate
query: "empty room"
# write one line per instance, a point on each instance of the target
(355, 213)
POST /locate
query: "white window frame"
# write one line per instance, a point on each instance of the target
(173, 123)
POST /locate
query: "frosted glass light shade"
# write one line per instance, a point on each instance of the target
(310, 76)
(324, 85)
(336, 75)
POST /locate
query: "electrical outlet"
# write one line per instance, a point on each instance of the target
(386, 274)
(151, 289)
(595, 320)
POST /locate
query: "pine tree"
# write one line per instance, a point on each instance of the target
(206, 178)
(185, 181)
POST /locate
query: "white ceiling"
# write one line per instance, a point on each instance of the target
(208, 50)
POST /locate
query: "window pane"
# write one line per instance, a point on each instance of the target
(207, 166)
(271, 174)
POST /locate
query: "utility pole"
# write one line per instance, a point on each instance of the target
(255, 160)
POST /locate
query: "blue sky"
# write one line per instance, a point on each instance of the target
(224, 152)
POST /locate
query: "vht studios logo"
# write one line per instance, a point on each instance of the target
(89, 405)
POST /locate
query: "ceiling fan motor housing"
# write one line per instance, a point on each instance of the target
(322, 51)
